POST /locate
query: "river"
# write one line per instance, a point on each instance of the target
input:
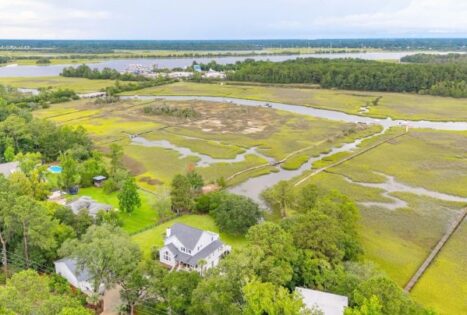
(253, 187)
(122, 64)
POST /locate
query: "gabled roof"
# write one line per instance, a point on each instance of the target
(187, 235)
(72, 265)
(193, 260)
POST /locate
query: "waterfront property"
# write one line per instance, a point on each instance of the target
(189, 248)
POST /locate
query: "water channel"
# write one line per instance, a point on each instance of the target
(122, 64)
(253, 187)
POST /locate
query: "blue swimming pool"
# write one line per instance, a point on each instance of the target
(56, 169)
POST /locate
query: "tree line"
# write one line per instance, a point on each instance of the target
(352, 74)
(84, 71)
(436, 58)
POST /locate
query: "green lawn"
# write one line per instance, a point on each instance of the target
(79, 85)
(395, 105)
(141, 218)
(155, 237)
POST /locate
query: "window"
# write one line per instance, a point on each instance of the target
(166, 256)
(182, 249)
(189, 251)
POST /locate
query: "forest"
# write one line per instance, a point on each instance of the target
(355, 74)
(435, 58)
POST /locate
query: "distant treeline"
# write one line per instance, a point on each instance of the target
(85, 71)
(435, 58)
(105, 46)
(4, 59)
(355, 74)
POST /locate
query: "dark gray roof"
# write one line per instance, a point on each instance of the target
(187, 235)
(193, 260)
(88, 203)
(81, 275)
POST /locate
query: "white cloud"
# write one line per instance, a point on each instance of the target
(43, 19)
(428, 16)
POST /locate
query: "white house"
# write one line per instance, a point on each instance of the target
(212, 74)
(329, 304)
(189, 248)
(80, 279)
(180, 75)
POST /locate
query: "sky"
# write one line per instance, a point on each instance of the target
(231, 19)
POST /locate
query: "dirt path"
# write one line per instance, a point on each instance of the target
(111, 301)
(436, 250)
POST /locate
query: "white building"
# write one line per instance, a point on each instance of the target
(80, 279)
(211, 74)
(9, 168)
(180, 75)
(329, 304)
(189, 248)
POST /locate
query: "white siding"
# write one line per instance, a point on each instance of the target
(166, 257)
(63, 270)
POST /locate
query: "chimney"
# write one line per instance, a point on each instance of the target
(167, 232)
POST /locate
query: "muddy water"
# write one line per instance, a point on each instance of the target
(122, 64)
(392, 186)
(318, 113)
(204, 160)
(253, 187)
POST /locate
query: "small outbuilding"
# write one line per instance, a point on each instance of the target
(9, 168)
(99, 180)
(327, 303)
(79, 279)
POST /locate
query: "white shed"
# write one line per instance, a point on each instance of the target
(80, 279)
(328, 303)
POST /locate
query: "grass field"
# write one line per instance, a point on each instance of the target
(154, 238)
(435, 160)
(79, 85)
(145, 216)
(395, 105)
(222, 131)
(399, 240)
(444, 285)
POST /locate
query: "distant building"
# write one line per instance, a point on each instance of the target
(80, 279)
(9, 168)
(329, 304)
(197, 68)
(180, 75)
(189, 248)
(211, 74)
(89, 204)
